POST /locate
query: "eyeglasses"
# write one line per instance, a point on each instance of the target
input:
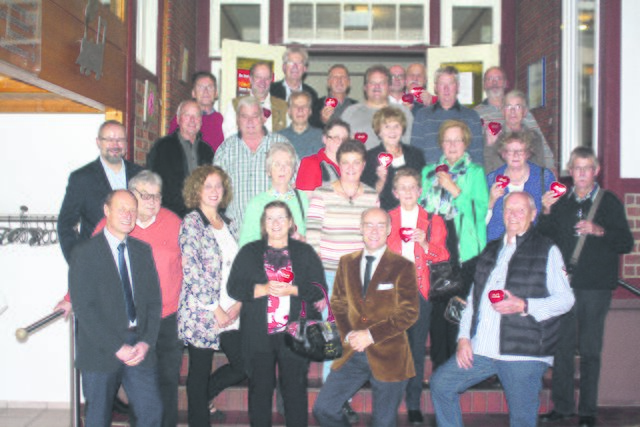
(113, 140)
(452, 141)
(334, 137)
(148, 196)
(514, 152)
(582, 169)
(292, 63)
(516, 107)
(210, 88)
(271, 219)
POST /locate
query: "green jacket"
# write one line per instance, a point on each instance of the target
(470, 225)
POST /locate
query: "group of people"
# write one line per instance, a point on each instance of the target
(247, 217)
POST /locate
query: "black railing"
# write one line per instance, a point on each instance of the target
(634, 290)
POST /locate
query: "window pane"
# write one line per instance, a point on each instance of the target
(356, 22)
(384, 22)
(411, 23)
(328, 21)
(240, 22)
(472, 25)
(585, 56)
(301, 20)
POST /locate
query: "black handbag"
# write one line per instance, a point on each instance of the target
(444, 280)
(317, 340)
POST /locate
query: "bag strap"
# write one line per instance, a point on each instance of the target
(303, 309)
(429, 218)
(583, 237)
(299, 201)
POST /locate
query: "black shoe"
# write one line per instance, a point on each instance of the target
(352, 416)
(554, 416)
(587, 422)
(415, 417)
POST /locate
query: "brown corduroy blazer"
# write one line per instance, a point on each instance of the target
(389, 308)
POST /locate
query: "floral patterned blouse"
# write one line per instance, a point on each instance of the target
(202, 265)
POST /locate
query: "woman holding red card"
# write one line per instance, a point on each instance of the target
(517, 174)
(455, 189)
(421, 238)
(272, 277)
(382, 162)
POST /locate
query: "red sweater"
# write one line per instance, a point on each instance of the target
(310, 172)
(162, 236)
(437, 246)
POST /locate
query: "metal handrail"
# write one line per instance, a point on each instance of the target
(634, 290)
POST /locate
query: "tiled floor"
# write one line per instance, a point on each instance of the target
(607, 417)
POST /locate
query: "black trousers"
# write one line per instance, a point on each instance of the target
(292, 374)
(169, 349)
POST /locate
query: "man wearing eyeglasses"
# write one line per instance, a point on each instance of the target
(294, 65)
(205, 92)
(514, 112)
(594, 275)
(176, 155)
(89, 185)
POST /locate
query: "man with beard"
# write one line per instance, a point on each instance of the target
(89, 185)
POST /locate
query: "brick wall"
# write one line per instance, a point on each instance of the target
(146, 132)
(538, 35)
(631, 262)
(178, 20)
(181, 18)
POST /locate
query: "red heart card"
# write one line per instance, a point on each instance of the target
(285, 275)
(442, 168)
(407, 98)
(417, 94)
(406, 233)
(434, 99)
(503, 180)
(331, 102)
(266, 112)
(494, 128)
(361, 136)
(558, 188)
(496, 296)
(385, 159)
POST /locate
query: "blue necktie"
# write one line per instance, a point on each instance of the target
(126, 283)
(367, 273)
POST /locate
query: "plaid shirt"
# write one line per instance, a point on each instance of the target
(246, 170)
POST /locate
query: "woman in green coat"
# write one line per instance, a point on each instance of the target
(455, 189)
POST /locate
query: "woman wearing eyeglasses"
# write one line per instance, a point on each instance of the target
(518, 174)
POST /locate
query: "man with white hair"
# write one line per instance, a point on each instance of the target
(243, 156)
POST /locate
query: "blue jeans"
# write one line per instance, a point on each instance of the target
(330, 277)
(522, 382)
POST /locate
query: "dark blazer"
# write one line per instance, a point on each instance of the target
(248, 270)
(84, 201)
(167, 159)
(315, 119)
(278, 90)
(386, 313)
(413, 158)
(99, 305)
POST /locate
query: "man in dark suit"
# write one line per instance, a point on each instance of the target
(375, 300)
(175, 156)
(294, 65)
(89, 185)
(116, 297)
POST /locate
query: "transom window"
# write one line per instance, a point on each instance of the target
(373, 22)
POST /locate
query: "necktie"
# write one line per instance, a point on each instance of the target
(126, 283)
(367, 273)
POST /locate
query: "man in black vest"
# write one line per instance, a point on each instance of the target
(510, 327)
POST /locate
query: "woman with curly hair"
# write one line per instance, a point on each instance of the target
(208, 319)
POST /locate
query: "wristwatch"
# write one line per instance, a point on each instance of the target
(525, 309)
